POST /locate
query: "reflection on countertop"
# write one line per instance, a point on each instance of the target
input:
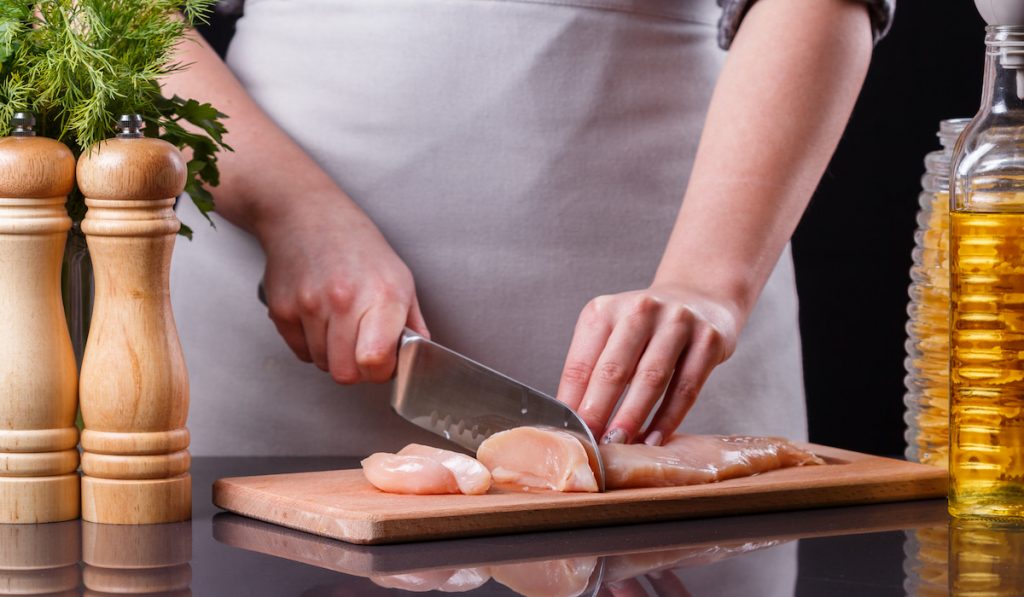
(651, 559)
(82, 558)
(40, 559)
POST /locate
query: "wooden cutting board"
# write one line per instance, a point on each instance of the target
(343, 505)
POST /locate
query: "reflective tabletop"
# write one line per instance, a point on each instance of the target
(906, 548)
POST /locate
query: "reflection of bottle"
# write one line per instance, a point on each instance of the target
(927, 363)
(40, 559)
(137, 559)
(38, 459)
(134, 387)
(926, 561)
(986, 559)
(987, 285)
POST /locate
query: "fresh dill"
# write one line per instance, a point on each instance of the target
(79, 64)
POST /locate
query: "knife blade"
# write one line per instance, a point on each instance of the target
(465, 402)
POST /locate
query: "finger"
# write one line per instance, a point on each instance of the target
(377, 341)
(285, 316)
(652, 376)
(314, 329)
(698, 359)
(416, 322)
(667, 583)
(588, 340)
(341, 350)
(627, 588)
(293, 336)
(614, 367)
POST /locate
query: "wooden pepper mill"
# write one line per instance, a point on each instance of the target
(38, 378)
(134, 386)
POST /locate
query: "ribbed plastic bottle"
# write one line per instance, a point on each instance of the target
(927, 362)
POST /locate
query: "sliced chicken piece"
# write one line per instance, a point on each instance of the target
(423, 470)
(694, 459)
(472, 477)
(554, 578)
(537, 457)
(408, 474)
(446, 581)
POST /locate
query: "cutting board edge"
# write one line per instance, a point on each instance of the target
(580, 516)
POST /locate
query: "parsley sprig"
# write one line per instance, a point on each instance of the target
(79, 64)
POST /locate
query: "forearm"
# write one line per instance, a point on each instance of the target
(776, 116)
(268, 173)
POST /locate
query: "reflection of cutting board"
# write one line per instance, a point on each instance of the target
(372, 560)
(342, 505)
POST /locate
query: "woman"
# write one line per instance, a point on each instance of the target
(524, 161)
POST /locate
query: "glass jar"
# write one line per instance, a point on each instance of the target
(986, 459)
(927, 362)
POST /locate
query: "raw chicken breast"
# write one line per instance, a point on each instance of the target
(472, 477)
(408, 474)
(423, 470)
(537, 457)
(446, 581)
(693, 459)
(554, 578)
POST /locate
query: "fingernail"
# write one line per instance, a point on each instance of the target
(615, 436)
(653, 438)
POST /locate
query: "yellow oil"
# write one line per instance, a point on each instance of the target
(926, 562)
(929, 332)
(986, 559)
(986, 461)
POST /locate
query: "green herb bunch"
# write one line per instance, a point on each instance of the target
(79, 64)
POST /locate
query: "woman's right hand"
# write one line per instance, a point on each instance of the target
(336, 290)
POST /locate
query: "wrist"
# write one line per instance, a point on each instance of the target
(734, 294)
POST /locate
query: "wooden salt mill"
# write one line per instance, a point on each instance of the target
(134, 386)
(38, 378)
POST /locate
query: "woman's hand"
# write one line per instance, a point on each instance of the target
(660, 340)
(337, 292)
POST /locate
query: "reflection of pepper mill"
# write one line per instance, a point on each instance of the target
(38, 459)
(134, 387)
(134, 560)
(40, 559)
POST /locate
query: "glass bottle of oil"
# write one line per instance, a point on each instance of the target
(987, 292)
(927, 362)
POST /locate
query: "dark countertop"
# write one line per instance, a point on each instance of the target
(890, 549)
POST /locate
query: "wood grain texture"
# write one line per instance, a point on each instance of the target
(38, 376)
(342, 505)
(144, 559)
(134, 385)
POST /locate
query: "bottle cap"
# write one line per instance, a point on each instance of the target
(1001, 12)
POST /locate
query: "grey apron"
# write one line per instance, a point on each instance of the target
(522, 157)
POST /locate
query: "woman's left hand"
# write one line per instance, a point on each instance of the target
(660, 340)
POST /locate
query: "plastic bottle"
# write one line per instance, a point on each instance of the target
(927, 362)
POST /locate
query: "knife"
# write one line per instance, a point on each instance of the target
(465, 402)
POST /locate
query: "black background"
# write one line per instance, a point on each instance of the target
(852, 248)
